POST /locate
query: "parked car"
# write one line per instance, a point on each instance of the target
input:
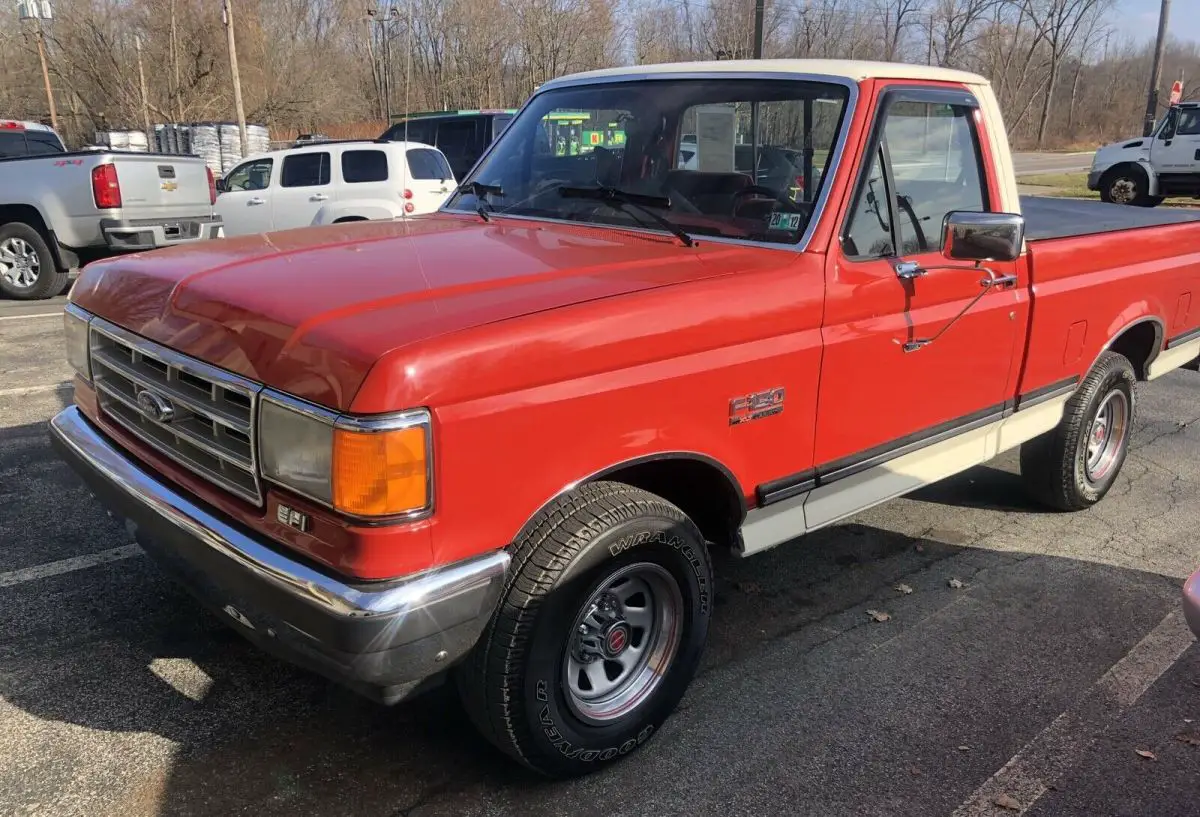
(462, 136)
(333, 182)
(1145, 170)
(59, 210)
(498, 444)
(1191, 602)
(28, 139)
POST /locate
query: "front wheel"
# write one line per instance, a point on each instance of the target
(1128, 185)
(603, 622)
(1075, 465)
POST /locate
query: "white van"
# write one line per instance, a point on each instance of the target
(330, 182)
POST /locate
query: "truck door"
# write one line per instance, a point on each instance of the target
(1176, 148)
(304, 187)
(245, 200)
(883, 390)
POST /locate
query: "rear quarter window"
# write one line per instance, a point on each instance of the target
(428, 164)
(362, 166)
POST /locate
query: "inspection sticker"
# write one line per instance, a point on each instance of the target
(785, 221)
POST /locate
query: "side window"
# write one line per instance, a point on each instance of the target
(361, 166)
(305, 170)
(456, 137)
(426, 164)
(12, 143)
(254, 175)
(870, 233)
(499, 123)
(43, 143)
(1189, 123)
(1167, 130)
(417, 130)
(932, 151)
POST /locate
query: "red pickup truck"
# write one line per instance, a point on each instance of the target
(499, 443)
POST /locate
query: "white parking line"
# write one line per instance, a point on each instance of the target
(24, 390)
(30, 574)
(1058, 747)
(30, 317)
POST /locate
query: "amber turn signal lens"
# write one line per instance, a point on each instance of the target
(381, 473)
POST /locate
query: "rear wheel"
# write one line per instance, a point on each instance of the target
(27, 268)
(599, 634)
(1074, 466)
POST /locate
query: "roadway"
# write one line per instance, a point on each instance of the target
(1036, 683)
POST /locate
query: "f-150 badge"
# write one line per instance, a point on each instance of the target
(755, 406)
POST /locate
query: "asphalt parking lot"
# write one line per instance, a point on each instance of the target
(1058, 679)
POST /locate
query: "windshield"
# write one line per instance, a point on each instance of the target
(739, 158)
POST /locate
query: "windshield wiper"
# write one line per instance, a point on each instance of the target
(618, 198)
(481, 192)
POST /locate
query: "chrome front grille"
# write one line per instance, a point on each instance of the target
(200, 416)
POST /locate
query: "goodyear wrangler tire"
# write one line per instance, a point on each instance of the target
(603, 622)
(1075, 465)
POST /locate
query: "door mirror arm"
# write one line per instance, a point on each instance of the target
(976, 237)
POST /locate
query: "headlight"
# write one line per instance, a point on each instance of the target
(75, 330)
(373, 468)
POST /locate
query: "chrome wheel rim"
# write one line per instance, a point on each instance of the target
(623, 641)
(19, 263)
(1106, 437)
(1123, 191)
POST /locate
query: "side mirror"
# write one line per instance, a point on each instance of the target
(973, 236)
(222, 186)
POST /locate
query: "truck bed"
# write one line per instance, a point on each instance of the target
(1064, 218)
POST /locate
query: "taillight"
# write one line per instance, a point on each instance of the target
(407, 193)
(106, 189)
(212, 186)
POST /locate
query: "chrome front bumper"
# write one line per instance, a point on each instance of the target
(1191, 602)
(381, 638)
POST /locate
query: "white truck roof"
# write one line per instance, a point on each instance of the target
(852, 69)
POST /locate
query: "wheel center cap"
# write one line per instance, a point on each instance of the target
(616, 639)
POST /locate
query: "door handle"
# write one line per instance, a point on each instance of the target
(318, 197)
(998, 281)
(256, 200)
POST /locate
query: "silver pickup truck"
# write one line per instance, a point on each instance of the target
(61, 210)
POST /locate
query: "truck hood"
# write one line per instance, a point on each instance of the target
(309, 311)
(1127, 150)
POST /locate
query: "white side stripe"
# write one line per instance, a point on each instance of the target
(778, 523)
(30, 574)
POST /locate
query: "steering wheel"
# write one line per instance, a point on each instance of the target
(768, 193)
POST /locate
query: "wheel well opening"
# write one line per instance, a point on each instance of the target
(702, 490)
(1122, 167)
(24, 214)
(1140, 344)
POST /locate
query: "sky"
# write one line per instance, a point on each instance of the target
(1184, 20)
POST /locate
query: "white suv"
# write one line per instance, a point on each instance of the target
(330, 182)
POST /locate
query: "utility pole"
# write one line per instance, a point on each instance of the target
(137, 42)
(1156, 68)
(41, 43)
(227, 18)
(39, 12)
(758, 28)
(929, 55)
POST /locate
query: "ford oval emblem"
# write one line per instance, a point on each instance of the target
(155, 407)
